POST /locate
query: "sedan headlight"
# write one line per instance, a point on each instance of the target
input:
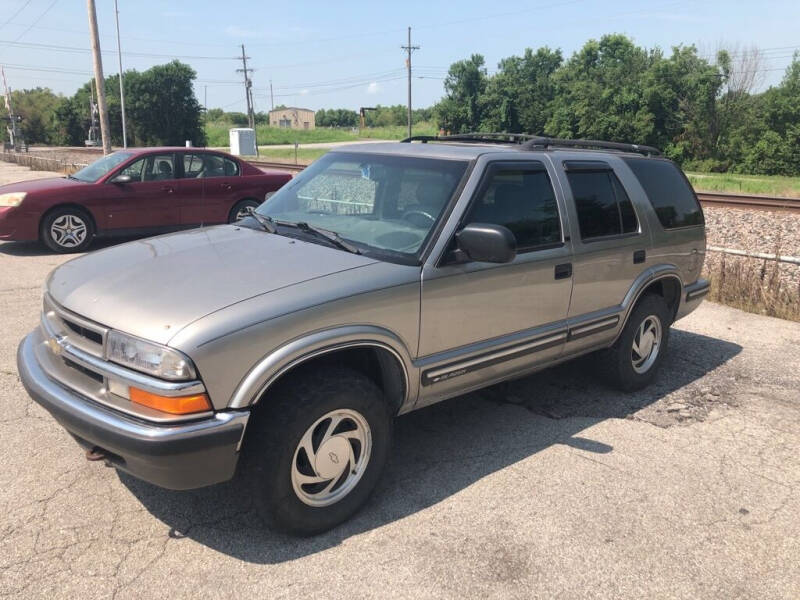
(150, 358)
(12, 198)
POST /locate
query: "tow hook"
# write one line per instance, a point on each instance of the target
(95, 453)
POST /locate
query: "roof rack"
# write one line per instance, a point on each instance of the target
(548, 142)
(531, 142)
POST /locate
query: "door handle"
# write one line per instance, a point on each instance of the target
(563, 271)
(639, 257)
(167, 189)
(225, 186)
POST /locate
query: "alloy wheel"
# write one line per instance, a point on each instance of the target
(68, 231)
(331, 457)
(646, 344)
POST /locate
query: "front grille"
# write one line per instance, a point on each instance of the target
(94, 336)
(88, 372)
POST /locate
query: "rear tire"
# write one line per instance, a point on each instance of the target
(634, 359)
(242, 209)
(315, 453)
(66, 230)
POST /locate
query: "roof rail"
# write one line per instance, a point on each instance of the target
(531, 142)
(548, 142)
(497, 138)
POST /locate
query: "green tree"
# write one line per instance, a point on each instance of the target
(462, 109)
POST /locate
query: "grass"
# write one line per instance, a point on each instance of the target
(754, 285)
(304, 155)
(767, 185)
(217, 134)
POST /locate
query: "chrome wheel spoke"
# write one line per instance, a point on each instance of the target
(646, 344)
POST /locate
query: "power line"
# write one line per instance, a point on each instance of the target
(79, 50)
(12, 17)
(39, 18)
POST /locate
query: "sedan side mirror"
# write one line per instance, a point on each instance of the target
(122, 179)
(486, 242)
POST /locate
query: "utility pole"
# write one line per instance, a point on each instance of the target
(409, 48)
(121, 85)
(271, 97)
(13, 134)
(205, 98)
(248, 90)
(98, 77)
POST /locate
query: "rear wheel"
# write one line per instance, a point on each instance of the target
(242, 209)
(634, 359)
(66, 230)
(315, 453)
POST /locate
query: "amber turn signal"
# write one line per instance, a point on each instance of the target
(175, 405)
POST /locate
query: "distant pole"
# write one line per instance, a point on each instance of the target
(121, 84)
(409, 48)
(271, 97)
(247, 84)
(205, 98)
(98, 77)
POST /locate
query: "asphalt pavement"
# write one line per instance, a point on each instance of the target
(554, 486)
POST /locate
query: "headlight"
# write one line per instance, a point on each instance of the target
(12, 198)
(154, 359)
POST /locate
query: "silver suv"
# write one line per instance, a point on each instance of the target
(383, 278)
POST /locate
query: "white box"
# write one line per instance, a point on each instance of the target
(243, 141)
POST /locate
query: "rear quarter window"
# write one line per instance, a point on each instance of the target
(669, 192)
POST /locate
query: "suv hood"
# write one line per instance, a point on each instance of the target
(154, 287)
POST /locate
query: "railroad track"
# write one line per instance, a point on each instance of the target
(262, 164)
(749, 202)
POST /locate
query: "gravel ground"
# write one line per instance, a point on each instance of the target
(754, 231)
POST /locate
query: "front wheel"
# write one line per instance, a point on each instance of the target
(66, 230)
(242, 209)
(315, 453)
(634, 359)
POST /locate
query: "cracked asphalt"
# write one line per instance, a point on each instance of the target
(552, 486)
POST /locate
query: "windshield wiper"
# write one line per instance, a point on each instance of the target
(333, 237)
(266, 222)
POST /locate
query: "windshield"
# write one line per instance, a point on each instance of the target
(97, 169)
(382, 203)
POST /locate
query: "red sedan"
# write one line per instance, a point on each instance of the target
(134, 191)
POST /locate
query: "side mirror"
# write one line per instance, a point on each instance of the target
(122, 179)
(486, 242)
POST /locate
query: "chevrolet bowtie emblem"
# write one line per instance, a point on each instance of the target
(54, 346)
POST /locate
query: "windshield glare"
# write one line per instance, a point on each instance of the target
(385, 203)
(99, 168)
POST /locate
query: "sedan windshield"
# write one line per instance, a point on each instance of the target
(381, 203)
(97, 169)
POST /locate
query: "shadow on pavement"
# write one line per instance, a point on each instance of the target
(441, 450)
(38, 249)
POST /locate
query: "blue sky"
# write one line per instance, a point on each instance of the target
(347, 54)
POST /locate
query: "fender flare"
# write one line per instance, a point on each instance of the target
(295, 352)
(655, 273)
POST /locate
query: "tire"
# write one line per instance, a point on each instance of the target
(634, 359)
(303, 494)
(68, 229)
(241, 209)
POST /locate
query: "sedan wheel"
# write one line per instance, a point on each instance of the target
(67, 230)
(242, 210)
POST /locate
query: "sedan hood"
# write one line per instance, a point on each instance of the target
(47, 184)
(154, 287)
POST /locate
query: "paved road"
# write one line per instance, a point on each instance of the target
(556, 486)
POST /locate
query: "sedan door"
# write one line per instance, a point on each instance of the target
(147, 202)
(222, 185)
(483, 321)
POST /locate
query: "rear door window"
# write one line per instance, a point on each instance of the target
(669, 192)
(603, 206)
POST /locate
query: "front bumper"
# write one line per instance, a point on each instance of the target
(17, 225)
(175, 456)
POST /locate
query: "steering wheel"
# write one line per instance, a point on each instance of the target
(412, 216)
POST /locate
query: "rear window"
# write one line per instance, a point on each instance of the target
(668, 191)
(604, 208)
